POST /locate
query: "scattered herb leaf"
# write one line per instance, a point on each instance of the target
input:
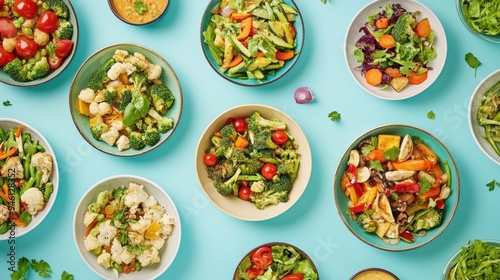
(334, 116)
(7, 103)
(140, 7)
(431, 115)
(23, 264)
(42, 267)
(66, 276)
(492, 185)
(375, 164)
(391, 154)
(472, 61)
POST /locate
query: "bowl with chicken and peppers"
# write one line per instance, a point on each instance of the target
(396, 187)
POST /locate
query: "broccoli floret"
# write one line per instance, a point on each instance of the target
(163, 124)
(366, 223)
(262, 140)
(97, 79)
(426, 219)
(10, 142)
(35, 68)
(98, 129)
(281, 183)
(151, 136)
(403, 28)
(264, 155)
(289, 167)
(256, 122)
(251, 166)
(58, 7)
(228, 131)
(161, 98)
(483, 121)
(124, 99)
(101, 201)
(269, 197)
(136, 140)
(222, 146)
(139, 79)
(64, 30)
(229, 186)
(110, 96)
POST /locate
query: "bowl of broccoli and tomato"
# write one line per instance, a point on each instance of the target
(39, 40)
(253, 162)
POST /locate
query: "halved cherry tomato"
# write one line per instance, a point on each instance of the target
(26, 47)
(209, 159)
(268, 170)
(5, 57)
(54, 62)
(262, 257)
(240, 125)
(244, 192)
(47, 22)
(280, 137)
(26, 8)
(7, 28)
(253, 272)
(294, 276)
(63, 48)
(2, 2)
(229, 120)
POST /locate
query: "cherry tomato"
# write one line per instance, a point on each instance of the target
(240, 125)
(229, 120)
(254, 271)
(280, 137)
(7, 28)
(63, 48)
(5, 57)
(26, 47)
(268, 170)
(26, 8)
(294, 276)
(47, 22)
(209, 159)
(244, 192)
(54, 62)
(262, 257)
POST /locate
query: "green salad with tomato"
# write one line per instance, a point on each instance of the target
(253, 158)
(276, 262)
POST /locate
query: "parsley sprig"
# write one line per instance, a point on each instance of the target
(39, 266)
(493, 184)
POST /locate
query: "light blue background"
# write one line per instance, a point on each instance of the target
(213, 242)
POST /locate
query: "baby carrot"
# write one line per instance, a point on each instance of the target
(373, 77)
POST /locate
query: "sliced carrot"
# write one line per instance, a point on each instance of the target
(10, 153)
(373, 77)
(18, 222)
(412, 165)
(5, 196)
(246, 27)
(386, 41)
(241, 142)
(393, 72)
(236, 60)
(423, 28)
(218, 134)
(90, 227)
(19, 130)
(239, 17)
(416, 79)
(377, 155)
(285, 55)
(382, 23)
(5, 188)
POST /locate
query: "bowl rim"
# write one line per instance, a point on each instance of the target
(438, 63)
(273, 243)
(374, 269)
(169, 68)
(113, 9)
(285, 69)
(66, 62)
(55, 179)
(298, 192)
(484, 36)
(135, 178)
(473, 111)
(452, 208)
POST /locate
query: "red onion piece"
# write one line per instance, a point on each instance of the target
(303, 95)
(226, 11)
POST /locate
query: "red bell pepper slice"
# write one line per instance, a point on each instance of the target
(357, 208)
(354, 178)
(440, 204)
(407, 237)
(409, 187)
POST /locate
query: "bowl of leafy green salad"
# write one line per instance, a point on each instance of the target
(126, 100)
(253, 162)
(478, 259)
(395, 49)
(276, 260)
(252, 43)
(481, 18)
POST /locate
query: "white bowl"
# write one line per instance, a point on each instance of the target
(476, 130)
(239, 208)
(7, 123)
(353, 34)
(450, 264)
(167, 253)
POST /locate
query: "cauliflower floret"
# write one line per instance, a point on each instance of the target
(106, 233)
(123, 143)
(4, 213)
(116, 251)
(135, 238)
(135, 195)
(138, 59)
(154, 213)
(126, 256)
(118, 124)
(13, 168)
(86, 95)
(9, 44)
(90, 242)
(40, 37)
(33, 198)
(99, 96)
(29, 23)
(149, 202)
(120, 55)
(104, 259)
(157, 243)
(150, 256)
(118, 68)
(101, 108)
(141, 226)
(167, 225)
(42, 162)
(110, 136)
(154, 71)
(89, 218)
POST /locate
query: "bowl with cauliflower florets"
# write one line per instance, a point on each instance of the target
(125, 100)
(29, 177)
(127, 227)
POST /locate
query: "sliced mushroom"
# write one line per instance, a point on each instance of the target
(353, 158)
(398, 175)
(362, 174)
(406, 148)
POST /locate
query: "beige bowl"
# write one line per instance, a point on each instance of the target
(234, 206)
